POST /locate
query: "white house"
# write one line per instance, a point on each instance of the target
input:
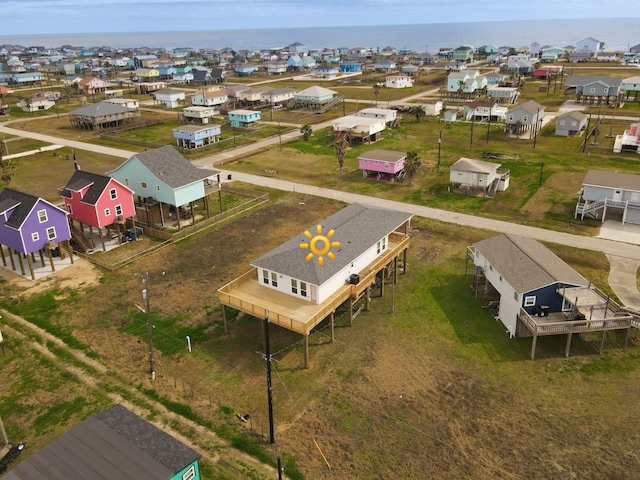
(603, 191)
(360, 128)
(589, 45)
(387, 114)
(480, 175)
(210, 98)
(169, 97)
(398, 81)
(199, 114)
(35, 104)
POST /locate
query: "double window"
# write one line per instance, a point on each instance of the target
(42, 216)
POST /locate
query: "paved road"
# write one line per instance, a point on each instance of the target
(621, 278)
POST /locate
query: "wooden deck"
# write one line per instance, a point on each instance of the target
(248, 295)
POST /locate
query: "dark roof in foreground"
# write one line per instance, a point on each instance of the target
(357, 228)
(113, 444)
(170, 166)
(527, 264)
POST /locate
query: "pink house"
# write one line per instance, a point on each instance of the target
(91, 85)
(97, 201)
(385, 165)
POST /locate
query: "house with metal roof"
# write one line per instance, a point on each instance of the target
(304, 280)
(610, 192)
(525, 117)
(535, 293)
(168, 97)
(194, 136)
(115, 443)
(166, 184)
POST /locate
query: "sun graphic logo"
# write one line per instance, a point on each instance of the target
(319, 245)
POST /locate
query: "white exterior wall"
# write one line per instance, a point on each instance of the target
(321, 293)
(471, 178)
(510, 301)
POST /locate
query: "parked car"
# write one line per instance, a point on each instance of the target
(130, 235)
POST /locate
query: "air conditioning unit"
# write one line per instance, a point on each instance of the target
(354, 279)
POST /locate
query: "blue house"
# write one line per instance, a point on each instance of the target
(27, 77)
(194, 136)
(245, 69)
(350, 67)
(243, 118)
(536, 293)
(115, 443)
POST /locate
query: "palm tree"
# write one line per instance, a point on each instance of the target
(411, 165)
(460, 89)
(419, 112)
(376, 92)
(306, 132)
(341, 147)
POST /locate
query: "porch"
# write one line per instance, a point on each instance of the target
(248, 295)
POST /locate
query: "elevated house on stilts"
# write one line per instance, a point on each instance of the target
(338, 262)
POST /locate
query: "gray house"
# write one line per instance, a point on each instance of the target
(596, 89)
(571, 124)
(115, 443)
(611, 192)
(525, 117)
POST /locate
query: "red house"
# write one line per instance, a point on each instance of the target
(97, 201)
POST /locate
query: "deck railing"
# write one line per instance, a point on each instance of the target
(616, 322)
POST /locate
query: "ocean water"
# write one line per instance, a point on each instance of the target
(617, 33)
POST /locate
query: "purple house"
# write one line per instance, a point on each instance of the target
(385, 165)
(30, 224)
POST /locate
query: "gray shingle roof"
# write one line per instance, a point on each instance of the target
(600, 178)
(100, 109)
(578, 80)
(357, 228)
(23, 203)
(115, 443)
(170, 166)
(527, 264)
(384, 155)
(81, 179)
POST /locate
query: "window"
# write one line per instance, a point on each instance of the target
(107, 212)
(42, 216)
(118, 209)
(126, 181)
(386, 166)
(491, 267)
(190, 474)
(158, 187)
(265, 277)
(511, 117)
(562, 122)
(69, 208)
(51, 233)
(294, 286)
(35, 237)
(525, 118)
(303, 289)
(530, 301)
(113, 193)
(500, 277)
(378, 247)
(384, 243)
(592, 90)
(515, 296)
(274, 279)
(143, 185)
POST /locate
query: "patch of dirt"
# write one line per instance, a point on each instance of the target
(559, 189)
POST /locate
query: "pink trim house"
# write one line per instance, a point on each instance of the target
(385, 165)
(91, 85)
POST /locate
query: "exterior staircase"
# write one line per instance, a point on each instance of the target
(81, 242)
(588, 208)
(330, 104)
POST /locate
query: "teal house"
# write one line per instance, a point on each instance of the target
(115, 443)
(166, 183)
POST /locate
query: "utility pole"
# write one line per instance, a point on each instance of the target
(439, 146)
(488, 124)
(267, 357)
(471, 136)
(145, 296)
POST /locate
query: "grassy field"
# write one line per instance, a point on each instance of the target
(434, 390)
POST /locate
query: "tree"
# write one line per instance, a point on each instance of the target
(376, 92)
(460, 89)
(418, 112)
(6, 167)
(341, 147)
(411, 165)
(306, 130)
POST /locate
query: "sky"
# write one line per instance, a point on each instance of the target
(27, 17)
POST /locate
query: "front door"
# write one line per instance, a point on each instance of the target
(617, 196)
